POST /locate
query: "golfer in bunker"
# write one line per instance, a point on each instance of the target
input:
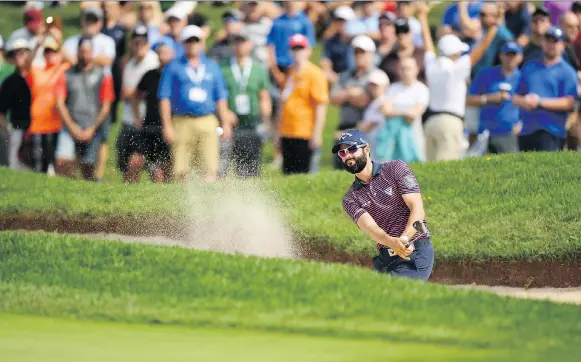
(385, 202)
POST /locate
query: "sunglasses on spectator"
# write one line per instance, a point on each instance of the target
(140, 40)
(359, 51)
(349, 150)
(540, 19)
(296, 49)
(483, 14)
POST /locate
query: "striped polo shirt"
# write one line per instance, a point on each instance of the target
(382, 198)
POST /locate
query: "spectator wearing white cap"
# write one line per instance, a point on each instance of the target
(351, 91)
(447, 77)
(176, 21)
(15, 99)
(337, 52)
(142, 60)
(191, 90)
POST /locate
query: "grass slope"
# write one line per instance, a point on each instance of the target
(521, 206)
(62, 276)
(27, 339)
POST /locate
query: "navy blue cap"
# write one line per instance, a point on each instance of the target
(351, 137)
(511, 47)
(541, 10)
(555, 32)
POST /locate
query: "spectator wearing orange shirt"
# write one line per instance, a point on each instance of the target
(45, 121)
(302, 109)
(84, 103)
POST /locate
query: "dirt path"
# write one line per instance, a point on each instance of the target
(560, 295)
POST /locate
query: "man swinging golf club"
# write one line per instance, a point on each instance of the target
(385, 202)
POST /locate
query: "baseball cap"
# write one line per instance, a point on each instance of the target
(450, 44)
(299, 40)
(163, 41)
(344, 12)
(363, 42)
(388, 15)
(378, 77)
(511, 47)
(191, 31)
(93, 12)
(351, 137)
(51, 44)
(556, 33)
(576, 7)
(33, 17)
(232, 15)
(140, 30)
(16, 44)
(402, 26)
(175, 12)
(541, 10)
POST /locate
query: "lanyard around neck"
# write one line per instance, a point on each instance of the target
(243, 76)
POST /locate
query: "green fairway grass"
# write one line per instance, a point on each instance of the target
(28, 339)
(68, 277)
(523, 206)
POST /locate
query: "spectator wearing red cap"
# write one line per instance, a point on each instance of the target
(302, 109)
(33, 27)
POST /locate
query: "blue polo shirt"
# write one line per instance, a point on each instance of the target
(340, 53)
(503, 35)
(548, 81)
(177, 46)
(498, 119)
(177, 85)
(282, 29)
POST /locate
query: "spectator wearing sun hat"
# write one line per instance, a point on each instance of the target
(350, 93)
(546, 94)
(337, 52)
(446, 76)
(302, 109)
(15, 98)
(191, 91)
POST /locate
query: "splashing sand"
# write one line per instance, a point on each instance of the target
(237, 216)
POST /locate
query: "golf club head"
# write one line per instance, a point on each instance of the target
(419, 226)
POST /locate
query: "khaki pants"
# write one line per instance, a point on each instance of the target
(196, 146)
(444, 137)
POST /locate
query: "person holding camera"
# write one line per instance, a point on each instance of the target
(492, 91)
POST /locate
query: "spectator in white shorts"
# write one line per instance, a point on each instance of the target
(143, 59)
(446, 78)
(104, 52)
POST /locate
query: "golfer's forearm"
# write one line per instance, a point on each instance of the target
(415, 215)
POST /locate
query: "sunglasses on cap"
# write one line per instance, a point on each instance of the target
(349, 150)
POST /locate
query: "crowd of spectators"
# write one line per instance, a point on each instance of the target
(502, 76)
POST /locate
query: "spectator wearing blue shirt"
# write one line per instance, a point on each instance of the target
(492, 91)
(191, 90)
(453, 23)
(546, 94)
(490, 16)
(292, 21)
(337, 52)
(367, 23)
(176, 20)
